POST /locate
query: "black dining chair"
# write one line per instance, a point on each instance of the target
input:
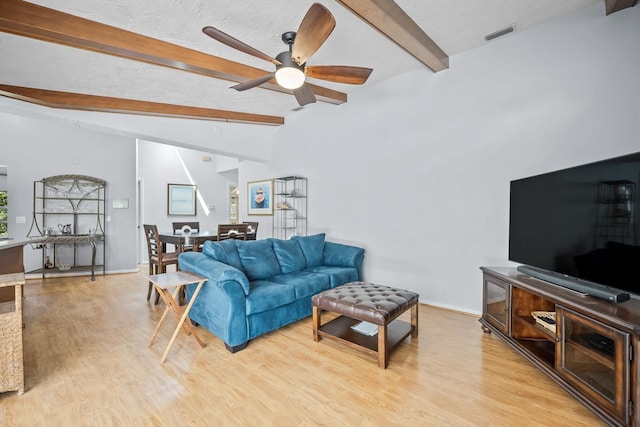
(193, 226)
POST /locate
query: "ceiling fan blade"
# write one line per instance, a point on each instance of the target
(304, 95)
(225, 38)
(314, 29)
(339, 73)
(253, 83)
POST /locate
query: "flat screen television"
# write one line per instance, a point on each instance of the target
(580, 223)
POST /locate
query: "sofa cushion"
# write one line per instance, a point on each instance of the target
(305, 283)
(224, 251)
(258, 259)
(312, 247)
(266, 295)
(290, 255)
(337, 275)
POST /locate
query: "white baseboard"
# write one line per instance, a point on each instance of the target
(53, 274)
(453, 308)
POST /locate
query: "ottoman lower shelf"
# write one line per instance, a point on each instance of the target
(339, 329)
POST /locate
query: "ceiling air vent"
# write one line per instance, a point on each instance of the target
(500, 33)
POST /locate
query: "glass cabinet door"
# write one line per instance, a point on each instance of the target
(595, 359)
(496, 298)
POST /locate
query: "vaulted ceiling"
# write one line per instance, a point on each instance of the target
(163, 57)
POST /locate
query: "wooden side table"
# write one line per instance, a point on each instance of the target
(177, 279)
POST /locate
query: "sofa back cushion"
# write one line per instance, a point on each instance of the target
(224, 251)
(290, 255)
(258, 259)
(312, 247)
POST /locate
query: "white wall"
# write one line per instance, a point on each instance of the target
(417, 169)
(242, 140)
(160, 165)
(36, 145)
(34, 149)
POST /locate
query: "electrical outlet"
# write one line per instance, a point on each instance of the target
(20, 220)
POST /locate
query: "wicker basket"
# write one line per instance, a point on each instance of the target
(11, 353)
(540, 315)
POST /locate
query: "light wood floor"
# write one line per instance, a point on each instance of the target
(87, 364)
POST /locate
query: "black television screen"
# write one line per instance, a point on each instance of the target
(581, 222)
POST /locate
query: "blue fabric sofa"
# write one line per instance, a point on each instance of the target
(254, 287)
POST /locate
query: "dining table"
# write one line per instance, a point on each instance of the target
(181, 239)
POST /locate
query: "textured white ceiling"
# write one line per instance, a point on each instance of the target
(455, 25)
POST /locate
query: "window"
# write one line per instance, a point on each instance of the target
(3, 213)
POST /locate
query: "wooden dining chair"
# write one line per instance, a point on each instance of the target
(254, 232)
(158, 259)
(232, 231)
(193, 225)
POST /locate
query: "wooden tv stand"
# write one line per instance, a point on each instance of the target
(591, 354)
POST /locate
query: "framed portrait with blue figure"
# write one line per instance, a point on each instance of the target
(260, 197)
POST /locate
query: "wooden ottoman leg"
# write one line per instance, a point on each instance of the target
(316, 323)
(382, 346)
(414, 321)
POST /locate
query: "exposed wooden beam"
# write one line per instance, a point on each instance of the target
(389, 18)
(77, 101)
(616, 5)
(38, 22)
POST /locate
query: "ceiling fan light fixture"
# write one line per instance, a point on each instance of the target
(289, 75)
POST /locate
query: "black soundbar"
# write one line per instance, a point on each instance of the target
(575, 284)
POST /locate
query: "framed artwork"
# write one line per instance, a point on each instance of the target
(181, 199)
(260, 197)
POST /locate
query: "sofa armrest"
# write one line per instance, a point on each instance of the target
(215, 271)
(339, 255)
(221, 305)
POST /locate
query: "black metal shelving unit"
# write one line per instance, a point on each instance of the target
(290, 207)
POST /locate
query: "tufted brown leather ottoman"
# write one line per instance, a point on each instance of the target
(361, 301)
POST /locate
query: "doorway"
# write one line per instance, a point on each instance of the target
(4, 203)
(233, 204)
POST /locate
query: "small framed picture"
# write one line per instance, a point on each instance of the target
(120, 203)
(181, 199)
(260, 197)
